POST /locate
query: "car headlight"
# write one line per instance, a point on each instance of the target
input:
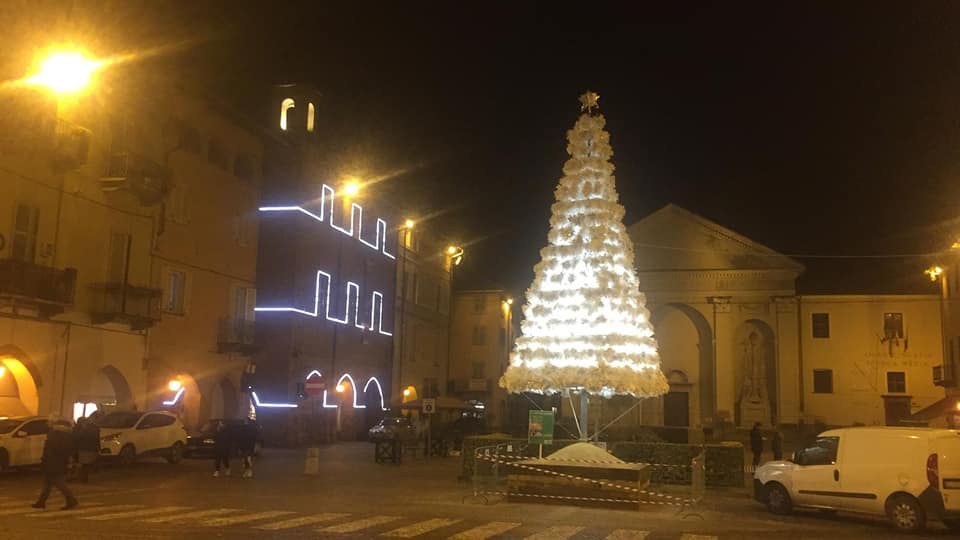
(110, 438)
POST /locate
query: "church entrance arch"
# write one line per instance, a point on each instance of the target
(685, 341)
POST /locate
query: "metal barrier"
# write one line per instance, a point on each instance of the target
(488, 477)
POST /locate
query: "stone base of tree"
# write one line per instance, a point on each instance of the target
(578, 484)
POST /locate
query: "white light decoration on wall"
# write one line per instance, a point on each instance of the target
(258, 403)
(353, 292)
(285, 105)
(176, 397)
(327, 199)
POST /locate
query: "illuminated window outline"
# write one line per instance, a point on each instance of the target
(286, 104)
(356, 215)
(376, 315)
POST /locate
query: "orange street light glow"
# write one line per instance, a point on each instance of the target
(341, 387)
(65, 72)
(352, 188)
(174, 385)
(408, 223)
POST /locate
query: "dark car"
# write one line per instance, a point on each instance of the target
(200, 444)
(398, 427)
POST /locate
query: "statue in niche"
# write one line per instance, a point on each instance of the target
(754, 403)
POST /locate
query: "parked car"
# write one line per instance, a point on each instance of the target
(129, 435)
(200, 444)
(395, 427)
(909, 474)
(21, 441)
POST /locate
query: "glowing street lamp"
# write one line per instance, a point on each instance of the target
(65, 72)
(934, 272)
(352, 188)
(456, 254)
(3, 371)
(408, 224)
(174, 385)
(341, 388)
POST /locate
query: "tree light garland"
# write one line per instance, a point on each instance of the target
(586, 324)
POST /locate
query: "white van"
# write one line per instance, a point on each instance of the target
(909, 474)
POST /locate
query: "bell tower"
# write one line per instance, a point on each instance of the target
(294, 110)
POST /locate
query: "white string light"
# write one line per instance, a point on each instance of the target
(353, 291)
(356, 215)
(176, 398)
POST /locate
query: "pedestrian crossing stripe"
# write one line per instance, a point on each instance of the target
(137, 513)
(422, 527)
(199, 514)
(245, 518)
(87, 508)
(299, 522)
(358, 525)
(556, 533)
(486, 530)
(627, 534)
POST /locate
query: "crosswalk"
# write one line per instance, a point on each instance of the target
(328, 524)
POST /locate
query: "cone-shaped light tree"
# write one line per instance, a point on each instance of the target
(586, 326)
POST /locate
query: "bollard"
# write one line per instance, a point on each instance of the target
(312, 464)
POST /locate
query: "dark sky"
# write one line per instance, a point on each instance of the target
(811, 127)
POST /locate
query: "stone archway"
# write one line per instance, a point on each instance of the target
(685, 341)
(755, 373)
(223, 400)
(18, 388)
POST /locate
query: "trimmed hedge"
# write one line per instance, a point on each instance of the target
(724, 462)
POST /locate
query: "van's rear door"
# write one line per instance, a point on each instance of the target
(948, 450)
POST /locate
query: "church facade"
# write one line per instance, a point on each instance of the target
(739, 345)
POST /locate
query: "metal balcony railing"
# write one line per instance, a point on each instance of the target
(235, 335)
(26, 283)
(121, 302)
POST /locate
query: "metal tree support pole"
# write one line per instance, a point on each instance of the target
(584, 408)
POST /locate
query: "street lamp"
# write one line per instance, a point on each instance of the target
(3, 371)
(456, 254)
(352, 188)
(408, 224)
(65, 72)
(934, 272)
(174, 385)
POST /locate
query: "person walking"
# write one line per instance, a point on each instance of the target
(87, 437)
(756, 443)
(58, 448)
(221, 449)
(777, 445)
(247, 445)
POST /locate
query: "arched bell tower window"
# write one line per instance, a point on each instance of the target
(285, 105)
(310, 112)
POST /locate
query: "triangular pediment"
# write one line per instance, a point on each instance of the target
(675, 239)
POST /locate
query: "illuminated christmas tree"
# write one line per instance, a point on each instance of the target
(586, 325)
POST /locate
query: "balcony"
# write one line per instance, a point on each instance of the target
(71, 145)
(29, 285)
(235, 336)
(471, 385)
(136, 306)
(144, 178)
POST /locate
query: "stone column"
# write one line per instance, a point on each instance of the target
(723, 329)
(789, 384)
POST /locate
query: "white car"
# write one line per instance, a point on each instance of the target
(128, 435)
(907, 474)
(21, 441)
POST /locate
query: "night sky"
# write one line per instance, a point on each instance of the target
(815, 128)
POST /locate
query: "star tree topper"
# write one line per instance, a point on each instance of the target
(589, 101)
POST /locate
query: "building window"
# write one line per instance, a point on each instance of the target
(479, 303)
(243, 167)
(119, 257)
(478, 370)
(175, 292)
(823, 381)
(244, 302)
(216, 154)
(479, 335)
(896, 382)
(893, 325)
(821, 325)
(25, 230)
(430, 389)
(178, 203)
(242, 230)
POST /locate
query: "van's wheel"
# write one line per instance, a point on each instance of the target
(952, 524)
(128, 455)
(4, 460)
(175, 454)
(906, 514)
(778, 500)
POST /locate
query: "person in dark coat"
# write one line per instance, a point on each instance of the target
(246, 440)
(777, 446)
(756, 443)
(222, 445)
(58, 448)
(87, 437)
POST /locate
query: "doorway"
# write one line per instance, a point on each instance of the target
(676, 409)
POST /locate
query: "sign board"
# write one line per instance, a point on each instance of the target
(429, 405)
(540, 428)
(315, 386)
